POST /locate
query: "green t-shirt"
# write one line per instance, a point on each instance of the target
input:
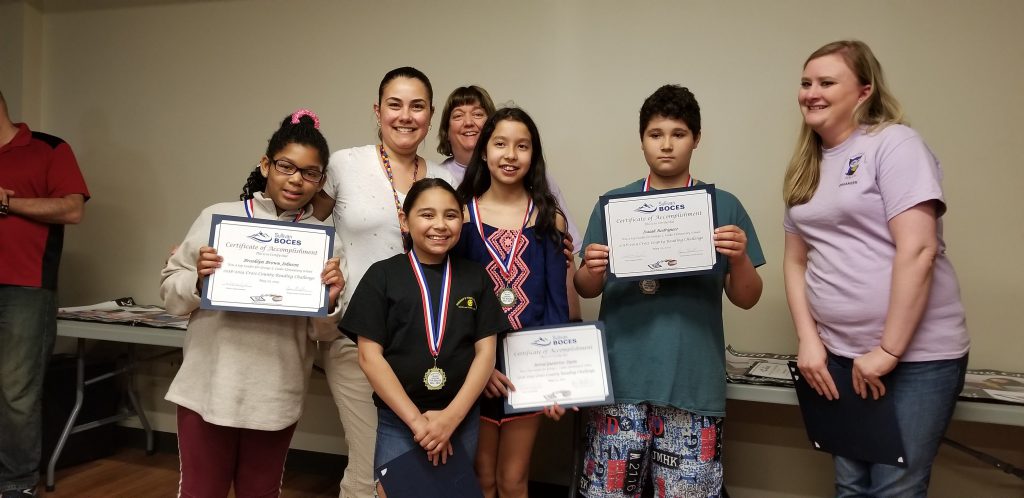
(668, 348)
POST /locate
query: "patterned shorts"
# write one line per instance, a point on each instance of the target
(627, 445)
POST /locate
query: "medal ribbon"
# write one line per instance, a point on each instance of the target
(435, 325)
(250, 205)
(689, 182)
(504, 264)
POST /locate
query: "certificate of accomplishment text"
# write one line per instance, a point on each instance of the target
(269, 267)
(659, 234)
(565, 364)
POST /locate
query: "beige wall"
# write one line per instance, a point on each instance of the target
(169, 103)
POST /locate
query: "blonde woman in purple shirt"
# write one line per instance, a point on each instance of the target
(867, 278)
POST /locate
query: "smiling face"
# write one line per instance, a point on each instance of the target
(668, 145)
(464, 129)
(509, 152)
(291, 192)
(404, 114)
(829, 94)
(434, 222)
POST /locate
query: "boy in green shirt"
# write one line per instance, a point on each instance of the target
(665, 337)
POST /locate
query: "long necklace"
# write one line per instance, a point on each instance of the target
(391, 175)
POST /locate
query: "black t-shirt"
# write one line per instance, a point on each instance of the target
(387, 309)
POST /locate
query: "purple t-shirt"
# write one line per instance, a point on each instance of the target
(865, 182)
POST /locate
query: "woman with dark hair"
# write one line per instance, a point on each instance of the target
(365, 189)
(869, 285)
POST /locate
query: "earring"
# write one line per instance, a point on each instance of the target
(378, 124)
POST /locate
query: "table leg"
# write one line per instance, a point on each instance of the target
(134, 399)
(79, 395)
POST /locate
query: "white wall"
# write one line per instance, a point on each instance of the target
(168, 105)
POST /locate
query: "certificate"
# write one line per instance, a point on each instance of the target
(269, 266)
(659, 234)
(565, 364)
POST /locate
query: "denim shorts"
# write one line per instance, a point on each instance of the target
(394, 438)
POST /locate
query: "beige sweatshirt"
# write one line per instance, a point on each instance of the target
(245, 370)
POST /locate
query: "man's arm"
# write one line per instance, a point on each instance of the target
(67, 210)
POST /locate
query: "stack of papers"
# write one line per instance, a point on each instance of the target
(124, 311)
(768, 369)
(771, 369)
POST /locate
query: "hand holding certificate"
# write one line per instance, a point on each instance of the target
(662, 233)
(268, 267)
(564, 364)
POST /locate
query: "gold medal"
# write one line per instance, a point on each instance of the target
(649, 286)
(434, 378)
(507, 297)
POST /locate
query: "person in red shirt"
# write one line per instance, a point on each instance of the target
(41, 190)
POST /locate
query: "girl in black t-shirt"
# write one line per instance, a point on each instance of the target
(425, 324)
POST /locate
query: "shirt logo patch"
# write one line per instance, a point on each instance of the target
(852, 164)
(466, 303)
(850, 174)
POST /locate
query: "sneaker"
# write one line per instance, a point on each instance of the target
(19, 493)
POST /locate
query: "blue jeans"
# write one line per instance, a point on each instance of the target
(28, 326)
(925, 395)
(394, 438)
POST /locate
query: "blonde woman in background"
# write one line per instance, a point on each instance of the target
(867, 278)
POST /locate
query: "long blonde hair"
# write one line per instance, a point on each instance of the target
(879, 110)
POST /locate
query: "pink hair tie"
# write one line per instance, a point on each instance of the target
(306, 112)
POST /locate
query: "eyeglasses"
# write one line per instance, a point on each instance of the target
(285, 167)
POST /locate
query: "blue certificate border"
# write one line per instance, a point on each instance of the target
(608, 400)
(217, 219)
(709, 187)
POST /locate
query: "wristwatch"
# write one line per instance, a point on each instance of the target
(4, 208)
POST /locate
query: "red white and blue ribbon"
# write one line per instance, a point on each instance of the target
(436, 325)
(690, 181)
(506, 263)
(250, 209)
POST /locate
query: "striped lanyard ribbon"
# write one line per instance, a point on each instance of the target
(505, 264)
(436, 325)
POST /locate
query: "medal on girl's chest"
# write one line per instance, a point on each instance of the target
(434, 378)
(506, 296)
(648, 286)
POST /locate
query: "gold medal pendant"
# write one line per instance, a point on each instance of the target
(649, 286)
(507, 297)
(434, 378)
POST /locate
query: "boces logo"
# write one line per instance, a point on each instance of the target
(261, 237)
(662, 206)
(557, 340)
(852, 164)
(278, 238)
(466, 303)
